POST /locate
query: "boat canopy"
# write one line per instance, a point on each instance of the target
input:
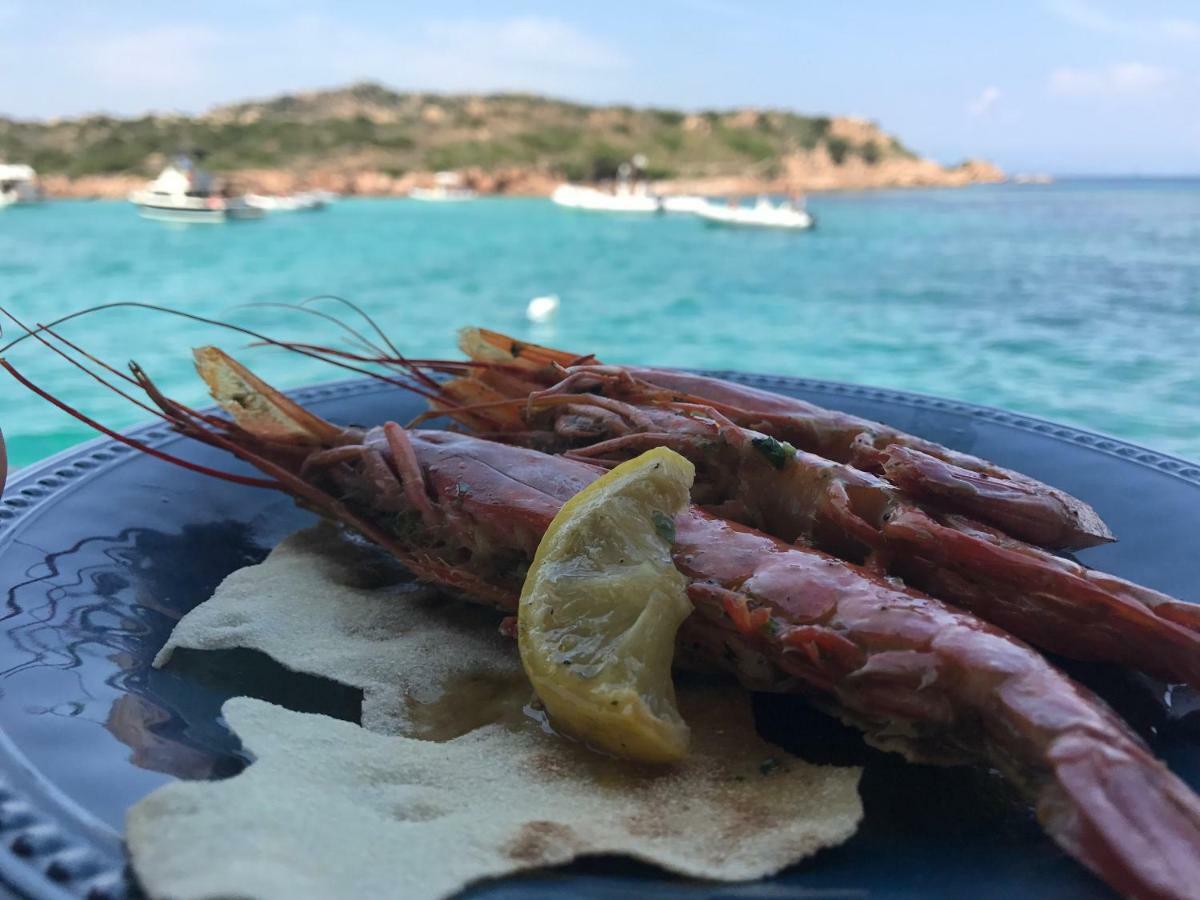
(182, 176)
(16, 172)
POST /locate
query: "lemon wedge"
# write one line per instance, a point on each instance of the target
(600, 608)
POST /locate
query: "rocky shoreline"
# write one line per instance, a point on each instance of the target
(369, 140)
(803, 172)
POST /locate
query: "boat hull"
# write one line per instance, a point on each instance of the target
(786, 220)
(575, 197)
(170, 214)
(440, 195)
(686, 204)
(302, 202)
(197, 216)
(19, 198)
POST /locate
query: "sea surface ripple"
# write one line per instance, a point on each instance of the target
(1079, 301)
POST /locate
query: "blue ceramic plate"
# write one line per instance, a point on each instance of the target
(102, 550)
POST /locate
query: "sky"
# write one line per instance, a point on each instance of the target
(1061, 86)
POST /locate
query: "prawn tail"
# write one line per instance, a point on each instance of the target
(1124, 815)
(491, 346)
(256, 406)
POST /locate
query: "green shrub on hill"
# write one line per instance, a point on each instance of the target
(370, 126)
(839, 149)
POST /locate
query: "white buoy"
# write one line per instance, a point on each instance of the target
(542, 309)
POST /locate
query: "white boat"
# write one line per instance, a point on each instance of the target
(184, 193)
(684, 203)
(447, 188)
(18, 185)
(763, 214)
(304, 201)
(626, 198)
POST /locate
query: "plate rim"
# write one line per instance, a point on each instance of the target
(57, 861)
(38, 482)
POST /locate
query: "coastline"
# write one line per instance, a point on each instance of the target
(368, 140)
(804, 172)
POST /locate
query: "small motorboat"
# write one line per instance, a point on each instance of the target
(18, 185)
(763, 214)
(184, 193)
(626, 198)
(447, 188)
(304, 201)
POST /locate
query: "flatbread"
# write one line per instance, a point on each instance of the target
(326, 605)
(329, 808)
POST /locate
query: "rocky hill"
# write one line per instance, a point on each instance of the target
(369, 139)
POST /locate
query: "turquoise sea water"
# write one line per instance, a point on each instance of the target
(1078, 301)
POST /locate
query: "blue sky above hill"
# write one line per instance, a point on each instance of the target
(1087, 86)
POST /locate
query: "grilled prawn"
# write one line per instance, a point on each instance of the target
(917, 677)
(606, 414)
(1017, 504)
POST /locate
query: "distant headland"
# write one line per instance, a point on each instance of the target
(367, 139)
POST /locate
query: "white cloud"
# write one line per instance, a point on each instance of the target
(1087, 15)
(1180, 29)
(168, 56)
(190, 67)
(1121, 80)
(982, 105)
(1084, 15)
(522, 41)
(464, 54)
(527, 53)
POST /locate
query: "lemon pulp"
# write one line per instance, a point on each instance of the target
(600, 608)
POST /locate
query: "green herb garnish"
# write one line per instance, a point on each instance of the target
(777, 453)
